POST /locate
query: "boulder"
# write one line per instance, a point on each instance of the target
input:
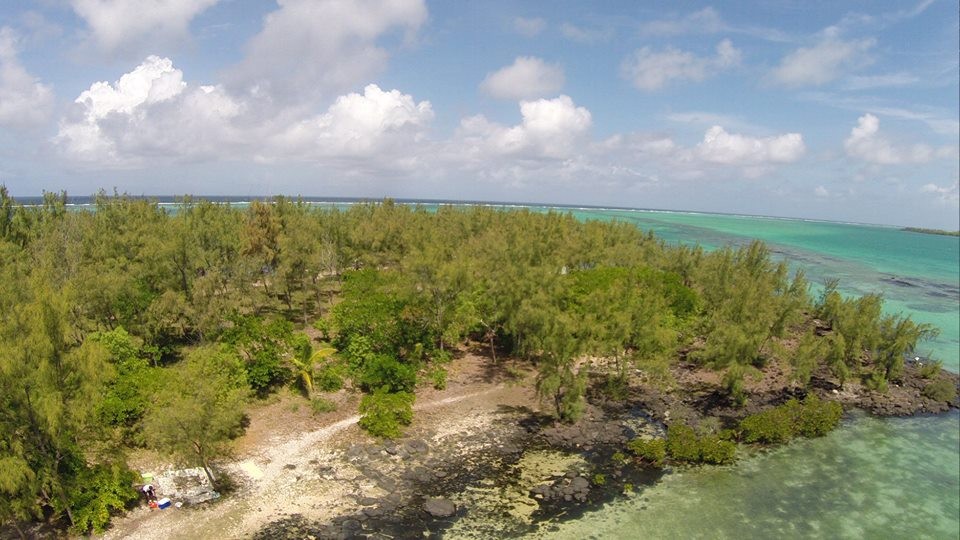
(438, 507)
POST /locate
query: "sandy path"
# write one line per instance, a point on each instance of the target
(277, 479)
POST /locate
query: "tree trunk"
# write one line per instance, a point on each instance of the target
(203, 463)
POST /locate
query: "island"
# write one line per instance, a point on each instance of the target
(385, 368)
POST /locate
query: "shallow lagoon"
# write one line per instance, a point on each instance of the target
(873, 478)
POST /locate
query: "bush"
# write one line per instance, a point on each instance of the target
(771, 426)
(385, 371)
(99, 491)
(811, 418)
(320, 405)
(323, 326)
(717, 451)
(875, 381)
(439, 378)
(615, 386)
(818, 417)
(599, 479)
(930, 369)
(941, 390)
(652, 451)
(683, 444)
(384, 413)
(329, 378)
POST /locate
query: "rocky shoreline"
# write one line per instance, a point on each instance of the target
(523, 472)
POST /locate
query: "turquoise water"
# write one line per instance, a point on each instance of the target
(873, 478)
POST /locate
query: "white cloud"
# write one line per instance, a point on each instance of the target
(24, 100)
(528, 77)
(890, 80)
(151, 115)
(821, 191)
(528, 27)
(585, 35)
(718, 146)
(368, 125)
(117, 25)
(866, 143)
(708, 119)
(550, 128)
(708, 21)
(946, 194)
(316, 49)
(652, 70)
(148, 112)
(823, 62)
(705, 21)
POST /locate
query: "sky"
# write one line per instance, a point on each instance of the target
(844, 111)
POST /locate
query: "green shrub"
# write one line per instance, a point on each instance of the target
(323, 326)
(329, 377)
(320, 405)
(717, 451)
(683, 444)
(619, 458)
(383, 370)
(439, 378)
(941, 390)
(818, 417)
(615, 386)
(441, 356)
(931, 369)
(384, 413)
(652, 451)
(771, 426)
(811, 418)
(599, 479)
(875, 381)
(99, 491)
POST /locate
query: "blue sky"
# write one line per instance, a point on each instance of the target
(829, 110)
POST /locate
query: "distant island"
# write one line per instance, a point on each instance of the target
(932, 231)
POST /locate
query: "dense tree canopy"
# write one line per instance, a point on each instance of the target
(121, 323)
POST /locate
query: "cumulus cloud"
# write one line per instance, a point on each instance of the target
(24, 100)
(116, 25)
(718, 146)
(823, 62)
(651, 70)
(314, 49)
(866, 143)
(148, 112)
(152, 114)
(550, 129)
(358, 125)
(528, 27)
(528, 77)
